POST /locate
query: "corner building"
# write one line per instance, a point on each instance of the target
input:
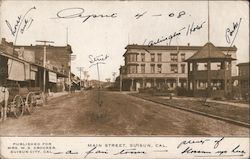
(152, 66)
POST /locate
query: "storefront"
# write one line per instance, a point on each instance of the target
(52, 81)
(3, 70)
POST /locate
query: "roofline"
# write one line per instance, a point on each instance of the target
(174, 47)
(31, 46)
(11, 44)
(3, 53)
(217, 58)
(34, 46)
(244, 63)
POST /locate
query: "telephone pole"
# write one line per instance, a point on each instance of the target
(44, 61)
(114, 74)
(71, 58)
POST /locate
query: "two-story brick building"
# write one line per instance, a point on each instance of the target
(25, 65)
(153, 66)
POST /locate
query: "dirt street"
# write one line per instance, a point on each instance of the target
(113, 113)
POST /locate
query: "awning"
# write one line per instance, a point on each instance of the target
(52, 77)
(16, 70)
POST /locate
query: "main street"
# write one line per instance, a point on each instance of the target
(113, 113)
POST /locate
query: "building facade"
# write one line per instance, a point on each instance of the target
(25, 65)
(154, 66)
(243, 79)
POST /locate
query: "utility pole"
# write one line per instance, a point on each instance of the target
(114, 74)
(208, 17)
(44, 61)
(85, 74)
(71, 57)
(81, 70)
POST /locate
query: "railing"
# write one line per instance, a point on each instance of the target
(214, 74)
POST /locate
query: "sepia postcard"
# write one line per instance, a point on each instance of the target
(124, 79)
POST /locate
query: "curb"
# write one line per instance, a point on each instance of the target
(199, 112)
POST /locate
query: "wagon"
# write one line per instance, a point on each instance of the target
(23, 100)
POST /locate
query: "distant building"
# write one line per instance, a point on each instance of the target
(153, 66)
(75, 82)
(25, 65)
(243, 79)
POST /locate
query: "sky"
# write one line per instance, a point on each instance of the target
(110, 35)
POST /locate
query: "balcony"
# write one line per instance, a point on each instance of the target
(214, 74)
(155, 75)
(132, 63)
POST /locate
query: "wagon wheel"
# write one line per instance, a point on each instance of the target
(30, 103)
(18, 106)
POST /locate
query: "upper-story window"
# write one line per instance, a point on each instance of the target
(159, 57)
(174, 68)
(243, 72)
(159, 68)
(182, 57)
(142, 57)
(152, 66)
(174, 57)
(152, 57)
(143, 68)
(132, 58)
(132, 69)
